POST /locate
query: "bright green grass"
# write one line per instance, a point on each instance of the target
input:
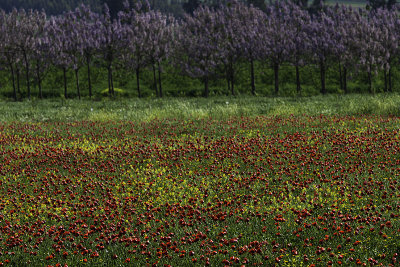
(195, 108)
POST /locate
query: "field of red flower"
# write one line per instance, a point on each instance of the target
(285, 191)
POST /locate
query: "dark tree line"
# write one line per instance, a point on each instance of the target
(51, 7)
(174, 7)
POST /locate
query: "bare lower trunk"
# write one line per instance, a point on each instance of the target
(253, 85)
(138, 82)
(206, 90)
(340, 76)
(298, 85)
(155, 80)
(390, 80)
(370, 82)
(276, 75)
(88, 73)
(28, 85)
(65, 82)
(322, 72)
(232, 77)
(385, 78)
(13, 82)
(345, 80)
(228, 81)
(39, 79)
(159, 80)
(110, 82)
(78, 90)
(18, 84)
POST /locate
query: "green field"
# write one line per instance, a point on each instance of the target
(224, 181)
(139, 110)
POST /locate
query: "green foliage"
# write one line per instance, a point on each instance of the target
(174, 84)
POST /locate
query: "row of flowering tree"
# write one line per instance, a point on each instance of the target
(210, 43)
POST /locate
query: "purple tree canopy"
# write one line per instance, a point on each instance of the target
(149, 36)
(387, 22)
(278, 32)
(56, 31)
(200, 47)
(112, 38)
(298, 40)
(323, 37)
(368, 41)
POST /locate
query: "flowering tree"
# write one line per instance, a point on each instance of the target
(323, 39)
(231, 34)
(89, 36)
(200, 50)
(367, 39)
(137, 36)
(161, 41)
(80, 43)
(278, 37)
(344, 17)
(29, 26)
(9, 53)
(252, 28)
(112, 42)
(56, 30)
(40, 53)
(299, 20)
(150, 38)
(388, 23)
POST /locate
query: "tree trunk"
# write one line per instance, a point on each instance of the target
(65, 82)
(232, 77)
(370, 82)
(109, 82)
(390, 79)
(155, 80)
(88, 72)
(28, 85)
(138, 81)
(13, 82)
(206, 90)
(340, 76)
(78, 90)
(345, 79)
(322, 70)
(253, 85)
(18, 84)
(228, 80)
(39, 80)
(276, 74)
(385, 78)
(159, 80)
(112, 83)
(298, 85)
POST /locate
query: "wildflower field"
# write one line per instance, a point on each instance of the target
(245, 190)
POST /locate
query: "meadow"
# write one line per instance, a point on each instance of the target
(224, 181)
